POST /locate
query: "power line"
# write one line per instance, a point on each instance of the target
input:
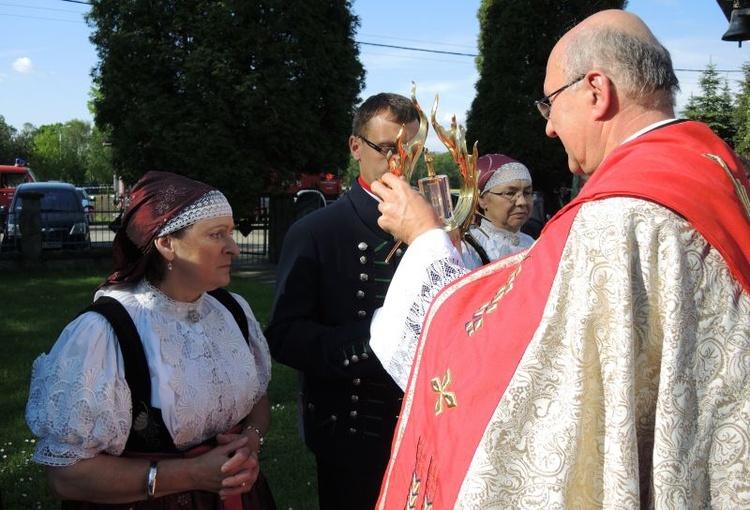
(34, 7)
(41, 18)
(468, 47)
(418, 49)
(701, 70)
(366, 43)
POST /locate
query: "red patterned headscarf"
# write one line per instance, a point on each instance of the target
(155, 200)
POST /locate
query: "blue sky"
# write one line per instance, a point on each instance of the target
(46, 57)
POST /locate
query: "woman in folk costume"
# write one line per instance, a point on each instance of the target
(505, 201)
(171, 414)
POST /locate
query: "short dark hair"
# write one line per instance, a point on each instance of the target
(402, 110)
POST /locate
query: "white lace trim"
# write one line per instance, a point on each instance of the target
(497, 243)
(211, 205)
(512, 171)
(428, 265)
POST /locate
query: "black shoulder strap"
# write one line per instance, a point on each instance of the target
(133, 355)
(225, 298)
(478, 247)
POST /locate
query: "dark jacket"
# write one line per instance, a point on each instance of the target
(331, 276)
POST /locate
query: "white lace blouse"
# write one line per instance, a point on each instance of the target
(497, 243)
(204, 377)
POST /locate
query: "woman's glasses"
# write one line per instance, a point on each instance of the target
(512, 196)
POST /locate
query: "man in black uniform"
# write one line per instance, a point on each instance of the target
(331, 276)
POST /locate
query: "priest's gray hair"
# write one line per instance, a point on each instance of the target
(641, 68)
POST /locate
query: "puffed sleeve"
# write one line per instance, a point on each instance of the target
(79, 403)
(258, 346)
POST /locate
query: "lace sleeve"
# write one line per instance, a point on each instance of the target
(430, 263)
(79, 403)
(259, 348)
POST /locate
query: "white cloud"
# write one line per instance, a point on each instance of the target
(23, 65)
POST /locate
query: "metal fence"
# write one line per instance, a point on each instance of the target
(252, 235)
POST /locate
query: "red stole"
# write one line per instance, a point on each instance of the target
(478, 328)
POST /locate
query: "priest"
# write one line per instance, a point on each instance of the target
(607, 366)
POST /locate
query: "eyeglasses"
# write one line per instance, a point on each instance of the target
(382, 149)
(544, 105)
(512, 196)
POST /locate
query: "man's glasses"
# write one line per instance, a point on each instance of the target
(382, 149)
(544, 105)
(512, 196)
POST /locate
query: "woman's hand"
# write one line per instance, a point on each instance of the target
(242, 468)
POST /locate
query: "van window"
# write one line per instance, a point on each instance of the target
(56, 200)
(12, 179)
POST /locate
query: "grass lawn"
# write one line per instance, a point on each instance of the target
(37, 305)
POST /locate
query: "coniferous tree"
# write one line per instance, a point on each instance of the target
(742, 115)
(515, 39)
(713, 105)
(226, 92)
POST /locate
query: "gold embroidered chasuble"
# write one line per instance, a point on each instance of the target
(626, 385)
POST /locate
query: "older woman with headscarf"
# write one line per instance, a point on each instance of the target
(179, 425)
(505, 202)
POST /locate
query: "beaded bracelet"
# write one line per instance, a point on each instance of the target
(261, 438)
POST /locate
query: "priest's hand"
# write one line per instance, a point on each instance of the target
(404, 212)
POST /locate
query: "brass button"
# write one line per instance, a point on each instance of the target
(357, 381)
(355, 398)
(399, 252)
(363, 260)
(353, 414)
(355, 358)
(360, 294)
(362, 246)
(346, 362)
(361, 313)
(363, 277)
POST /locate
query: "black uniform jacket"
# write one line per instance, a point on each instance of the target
(331, 276)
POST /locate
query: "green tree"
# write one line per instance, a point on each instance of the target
(7, 144)
(98, 159)
(60, 152)
(226, 92)
(713, 105)
(742, 115)
(515, 39)
(12, 143)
